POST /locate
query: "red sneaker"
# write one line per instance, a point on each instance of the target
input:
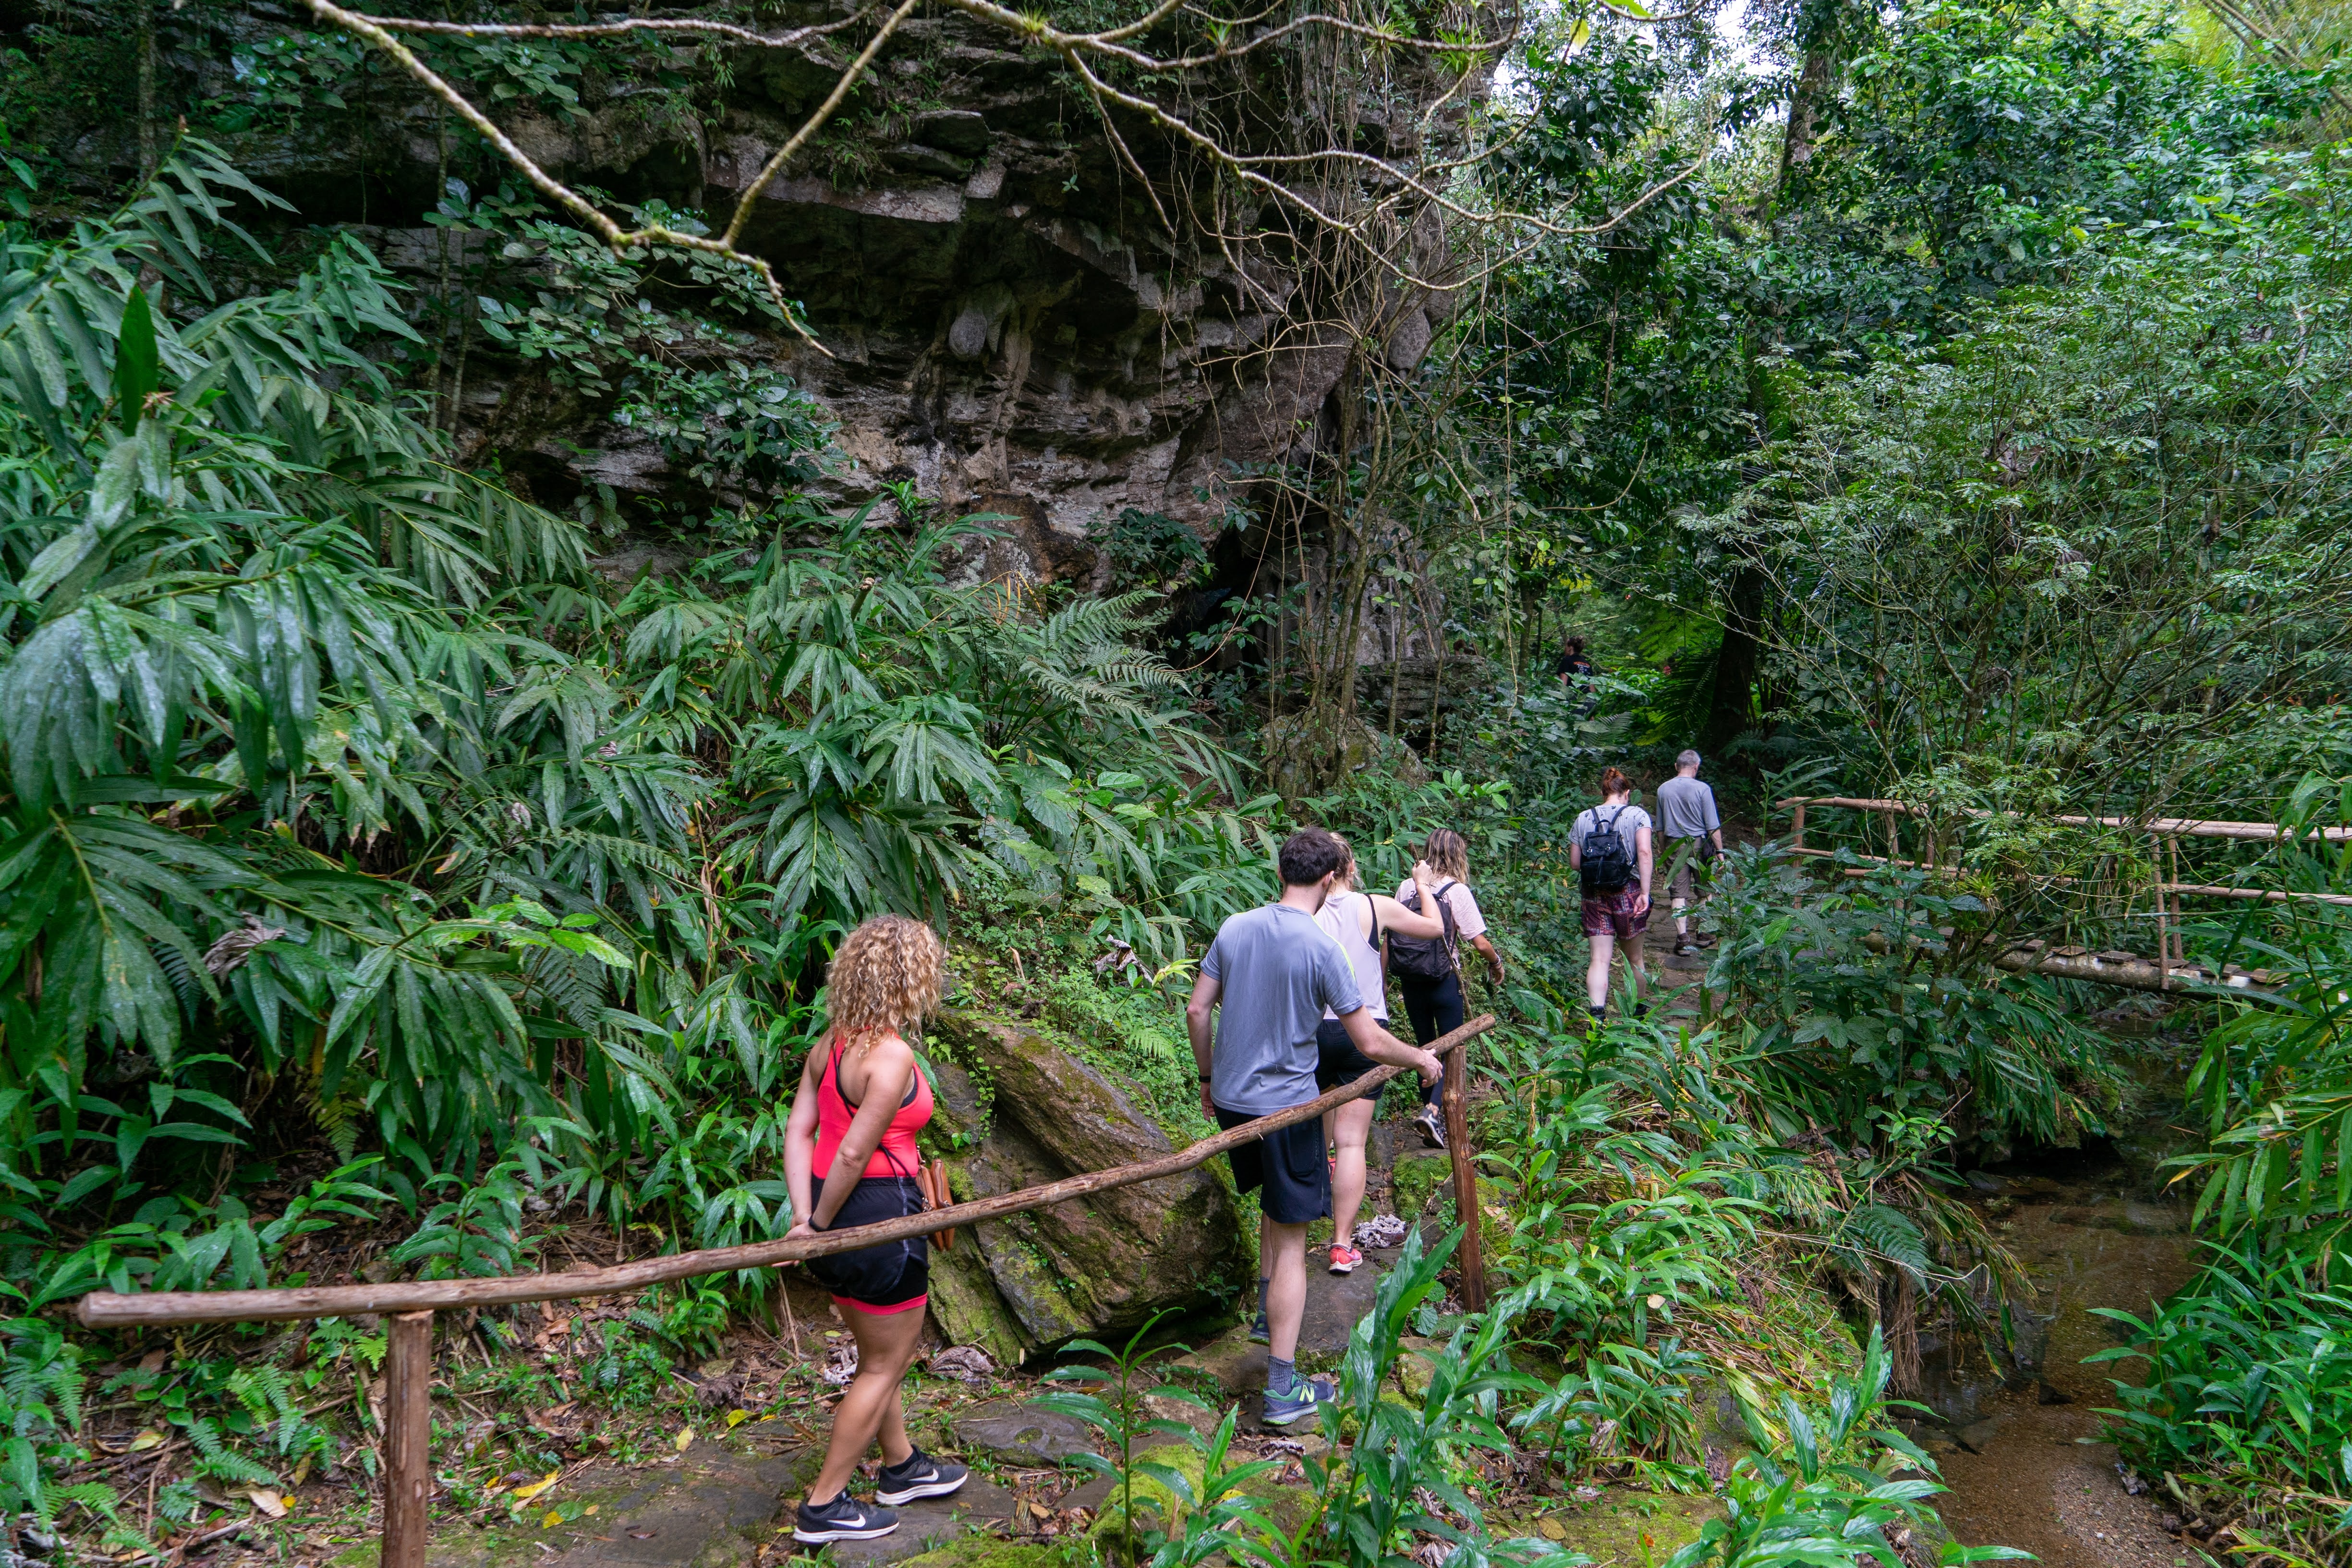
(1345, 1259)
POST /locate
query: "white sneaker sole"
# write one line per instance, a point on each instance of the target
(1343, 1269)
(922, 1490)
(843, 1532)
(1285, 1418)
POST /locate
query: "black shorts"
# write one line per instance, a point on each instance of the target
(1337, 1059)
(895, 1277)
(1289, 1165)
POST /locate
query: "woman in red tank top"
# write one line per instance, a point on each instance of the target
(849, 1160)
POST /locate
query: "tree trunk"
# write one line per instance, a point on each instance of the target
(1728, 708)
(1804, 113)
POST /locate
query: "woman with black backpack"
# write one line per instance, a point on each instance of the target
(1429, 972)
(1610, 850)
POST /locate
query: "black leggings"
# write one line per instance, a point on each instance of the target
(1435, 1008)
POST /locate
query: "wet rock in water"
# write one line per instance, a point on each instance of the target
(1024, 1433)
(2128, 1218)
(1985, 1182)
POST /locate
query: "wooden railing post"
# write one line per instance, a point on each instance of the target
(1797, 828)
(407, 1439)
(1472, 1256)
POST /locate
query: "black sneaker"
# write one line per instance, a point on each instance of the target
(1684, 948)
(1433, 1129)
(1260, 1332)
(920, 1477)
(842, 1520)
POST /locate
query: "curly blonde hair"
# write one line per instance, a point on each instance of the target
(884, 979)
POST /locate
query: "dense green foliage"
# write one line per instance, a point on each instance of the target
(2247, 1389)
(1975, 438)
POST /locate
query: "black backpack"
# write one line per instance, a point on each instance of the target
(1424, 957)
(1607, 864)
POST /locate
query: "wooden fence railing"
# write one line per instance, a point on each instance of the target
(410, 1306)
(2165, 833)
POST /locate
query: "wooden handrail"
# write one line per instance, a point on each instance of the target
(2160, 827)
(105, 1309)
(408, 1349)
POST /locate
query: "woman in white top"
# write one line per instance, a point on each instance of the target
(1429, 973)
(1357, 920)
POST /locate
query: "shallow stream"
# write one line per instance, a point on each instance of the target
(2092, 1228)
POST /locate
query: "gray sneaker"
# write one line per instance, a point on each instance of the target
(1431, 1125)
(1282, 1409)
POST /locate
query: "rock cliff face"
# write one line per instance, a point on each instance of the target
(1021, 1109)
(1005, 321)
(1008, 320)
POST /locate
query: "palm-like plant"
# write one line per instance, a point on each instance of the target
(280, 789)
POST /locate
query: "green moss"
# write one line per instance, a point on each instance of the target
(1155, 1503)
(982, 1551)
(1415, 1175)
(1137, 1036)
(1625, 1529)
(970, 1309)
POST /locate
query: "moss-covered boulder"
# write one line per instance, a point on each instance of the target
(1157, 1506)
(1622, 1527)
(1018, 1107)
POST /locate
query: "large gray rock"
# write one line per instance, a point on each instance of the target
(1095, 1266)
(1025, 1434)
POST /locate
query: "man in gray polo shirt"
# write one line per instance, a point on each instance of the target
(1693, 832)
(1266, 982)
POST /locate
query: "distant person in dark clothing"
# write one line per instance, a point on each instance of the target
(1576, 673)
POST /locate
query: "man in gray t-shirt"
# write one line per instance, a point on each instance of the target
(1262, 992)
(1687, 816)
(1278, 970)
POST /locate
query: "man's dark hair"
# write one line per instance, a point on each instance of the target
(1311, 855)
